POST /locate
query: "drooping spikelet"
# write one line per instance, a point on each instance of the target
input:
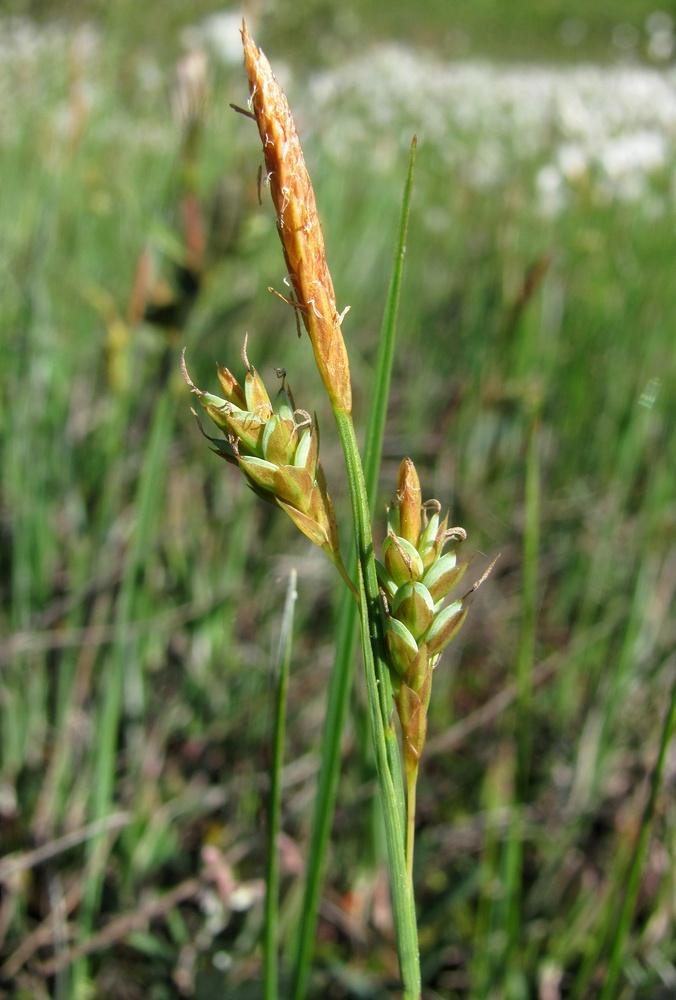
(277, 448)
(298, 224)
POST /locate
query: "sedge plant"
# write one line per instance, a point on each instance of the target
(402, 600)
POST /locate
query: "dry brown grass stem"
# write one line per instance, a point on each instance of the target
(298, 224)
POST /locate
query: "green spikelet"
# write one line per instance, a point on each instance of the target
(276, 446)
(416, 577)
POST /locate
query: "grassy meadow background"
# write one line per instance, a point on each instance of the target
(142, 585)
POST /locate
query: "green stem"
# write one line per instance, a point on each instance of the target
(271, 931)
(524, 687)
(379, 691)
(529, 597)
(411, 785)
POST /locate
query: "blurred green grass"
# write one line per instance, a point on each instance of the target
(140, 579)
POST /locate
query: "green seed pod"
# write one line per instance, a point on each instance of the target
(307, 452)
(402, 560)
(232, 390)
(217, 408)
(418, 668)
(444, 627)
(401, 646)
(260, 472)
(443, 575)
(282, 405)
(279, 441)
(408, 502)
(427, 546)
(257, 399)
(317, 532)
(248, 428)
(321, 510)
(303, 451)
(294, 486)
(414, 607)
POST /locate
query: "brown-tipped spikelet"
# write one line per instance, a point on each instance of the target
(298, 224)
(416, 576)
(276, 446)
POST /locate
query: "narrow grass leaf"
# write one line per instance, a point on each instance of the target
(524, 685)
(123, 667)
(271, 930)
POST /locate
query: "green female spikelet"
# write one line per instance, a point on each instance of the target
(276, 446)
(416, 576)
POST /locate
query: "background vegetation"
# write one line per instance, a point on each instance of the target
(142, 585)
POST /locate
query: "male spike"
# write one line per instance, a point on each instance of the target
(298, 224)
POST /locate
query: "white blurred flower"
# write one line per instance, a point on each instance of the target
(551, 190)
(222, 33)
(659, 20)
(487, 168)
(635, 153)
(612, 127)
(189, 88)
(573, 162)
(661, 44)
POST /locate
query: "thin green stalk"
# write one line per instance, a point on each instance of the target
(529, 602)
(373, 444)
(271, 931)
(345, 575)
(411, 785)
(488, 950)
(633, 880)
(524, 685)
(379, 691)
(341, 675)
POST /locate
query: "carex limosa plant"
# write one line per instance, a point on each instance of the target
(405, 620)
